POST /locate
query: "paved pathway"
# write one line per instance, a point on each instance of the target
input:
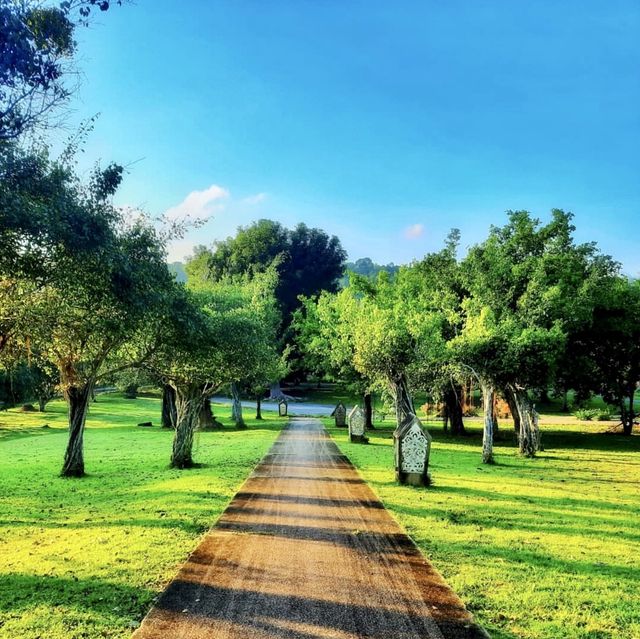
(306, 550)
(294, 408)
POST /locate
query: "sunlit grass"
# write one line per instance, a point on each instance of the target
(544, 548)
(85, 558)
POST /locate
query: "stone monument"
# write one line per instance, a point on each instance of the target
(283, 408)
(356, 425)
(412, 446)
(340, 415)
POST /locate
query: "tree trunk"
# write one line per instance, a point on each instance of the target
(453, 409)
(259, 407)
(565, 402)
(629, 416)
(78, 402)
(205, 419)
(513, 407)
(368, 411)
(236, 407)
(42, 403)
(488, 396)
(169, 416)
(402, 399)
(275, 392)
(529, 434)
(189, 399)
(131, 391)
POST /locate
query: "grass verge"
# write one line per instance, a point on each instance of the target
(545, 548)
(85, 558)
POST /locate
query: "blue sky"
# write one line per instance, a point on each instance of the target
(386, 123)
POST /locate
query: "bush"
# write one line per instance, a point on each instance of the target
(589, 414)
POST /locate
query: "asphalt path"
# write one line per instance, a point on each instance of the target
(306, 550)
(294, 408)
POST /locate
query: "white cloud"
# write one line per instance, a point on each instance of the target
(414, 231)
(199, 205)
(255, 199)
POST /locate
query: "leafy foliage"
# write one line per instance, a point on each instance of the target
(307, 260)
(36, 50)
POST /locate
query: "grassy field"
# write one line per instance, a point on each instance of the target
(544, 548)
(85, 558)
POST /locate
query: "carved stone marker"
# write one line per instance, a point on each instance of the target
(412, 446)
(340, 415)
(283, 408)
(356, 425)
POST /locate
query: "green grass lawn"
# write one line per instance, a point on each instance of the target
(543, 548)
(85, 558)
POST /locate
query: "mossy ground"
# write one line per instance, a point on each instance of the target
(545, 548)
(85, 557)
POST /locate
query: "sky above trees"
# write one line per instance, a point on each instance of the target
(383, 123)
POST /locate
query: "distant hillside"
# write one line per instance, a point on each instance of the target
(366, 267)
(177, 269)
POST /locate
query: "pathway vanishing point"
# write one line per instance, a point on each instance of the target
(306, 550)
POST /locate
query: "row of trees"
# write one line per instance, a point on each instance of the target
(85, 292)
(524, 311)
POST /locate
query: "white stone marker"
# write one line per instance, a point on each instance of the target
(412, 445)
(356, 425)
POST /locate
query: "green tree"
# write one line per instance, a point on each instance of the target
(529, 286)
(307, 260)
(432, 293)
(214, 335)
(37, 47)
(613, 343)
(324, 335)
(82, 318)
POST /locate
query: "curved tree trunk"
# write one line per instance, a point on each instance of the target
(488, 397)
(513, 407)
(236, 407)
(368, 411)
(402, 399)
(169, 416)
(629, 415)
(529, 434)
(259, 407)
(78, 402)
(453, 409)
(189, 399)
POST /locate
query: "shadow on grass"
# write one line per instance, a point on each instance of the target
(22, 592)
(552, 439)
(19, 432)
(539, 519)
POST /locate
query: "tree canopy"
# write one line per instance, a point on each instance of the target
(307, 260)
